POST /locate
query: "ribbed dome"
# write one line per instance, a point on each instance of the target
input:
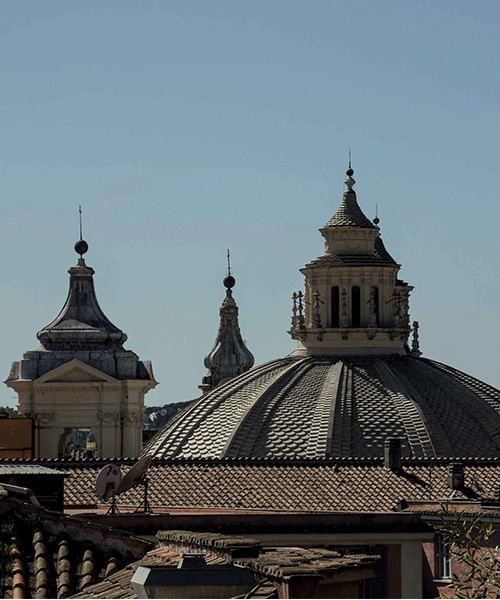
(353, 382)
(317, 407)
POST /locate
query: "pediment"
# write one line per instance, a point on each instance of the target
(75, 371)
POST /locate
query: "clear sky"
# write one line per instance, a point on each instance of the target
(187, 127)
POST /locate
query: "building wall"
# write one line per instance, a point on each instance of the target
(16, 438)
(113, 410)
(433, 585)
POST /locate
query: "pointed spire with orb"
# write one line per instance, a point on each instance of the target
(229, 356)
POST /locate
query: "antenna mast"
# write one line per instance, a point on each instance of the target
(80, 211)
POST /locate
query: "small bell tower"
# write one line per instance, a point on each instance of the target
(354, 302)
(229, 356)
(82, 377)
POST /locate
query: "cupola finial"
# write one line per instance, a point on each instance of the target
(81, 245)
(229, 280)
(350, 172)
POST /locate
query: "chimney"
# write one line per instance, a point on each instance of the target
(193, 578)
(456, 477)
(392, 454)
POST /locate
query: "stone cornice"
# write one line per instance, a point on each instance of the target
(386, 271)
(83, 386)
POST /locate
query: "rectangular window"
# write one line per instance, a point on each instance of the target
(443, 556)
(335, 307)
(355, 306)
(375, 305)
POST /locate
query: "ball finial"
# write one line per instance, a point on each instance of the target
(81, 247)
(229, 281)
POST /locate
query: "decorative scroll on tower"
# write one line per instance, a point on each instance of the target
(354, 302)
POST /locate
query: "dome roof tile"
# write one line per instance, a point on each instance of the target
(321, 407)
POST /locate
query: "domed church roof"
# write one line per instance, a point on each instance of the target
(320, 407)
(353, 382)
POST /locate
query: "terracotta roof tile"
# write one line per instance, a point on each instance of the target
(281, 562)
(49, 559)
(315, 485)
(118, 585)
(275, 562)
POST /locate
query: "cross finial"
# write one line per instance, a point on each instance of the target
(80, 211)
(228, 263)
(350, 158)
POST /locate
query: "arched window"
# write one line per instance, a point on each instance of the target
(355, 306)
(78, 443)
(335, 306)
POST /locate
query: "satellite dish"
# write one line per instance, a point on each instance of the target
(134, 476)
(107, 482)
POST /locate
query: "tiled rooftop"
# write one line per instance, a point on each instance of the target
(276, 563)
(53, 556)
(378, 257)
(118, 585)
(350, 214)
(24, 469)
(284, 562)
(320, 407)
(285, 485)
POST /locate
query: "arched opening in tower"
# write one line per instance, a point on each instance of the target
(79, 443)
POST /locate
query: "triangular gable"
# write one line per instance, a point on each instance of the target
(75, 371)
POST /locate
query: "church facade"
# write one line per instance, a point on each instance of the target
(82, 377)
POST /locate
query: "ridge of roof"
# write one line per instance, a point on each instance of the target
(355, 461)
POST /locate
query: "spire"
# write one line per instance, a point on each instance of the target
(81, 246)
(349, 213)
(229, 356)
(81, 324)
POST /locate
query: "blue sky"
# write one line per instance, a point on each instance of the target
(184, 128)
